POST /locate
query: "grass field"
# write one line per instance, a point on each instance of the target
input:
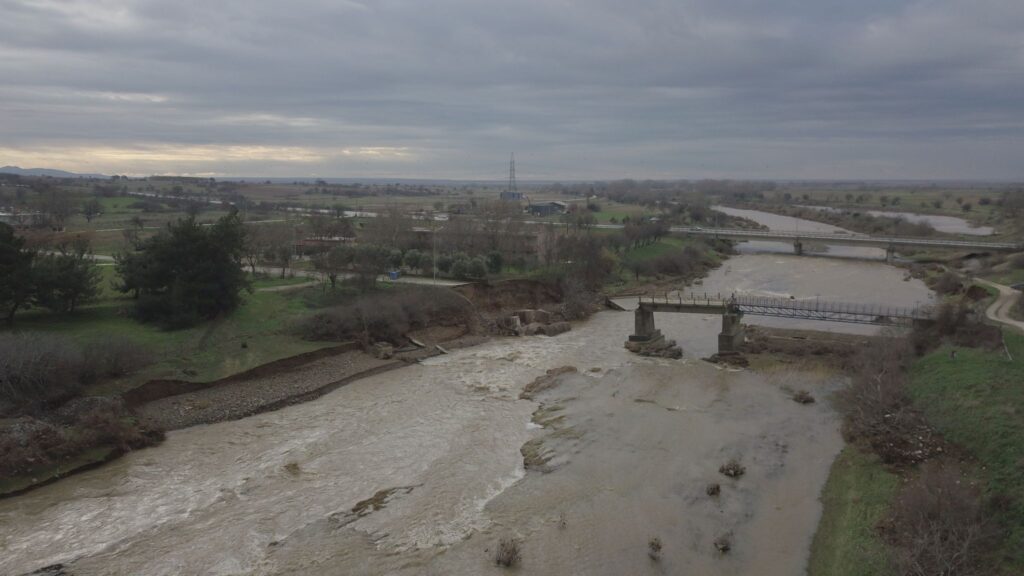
(208, 351)
(977, 401)
(855, 499)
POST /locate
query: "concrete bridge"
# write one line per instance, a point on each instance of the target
(733, 307)
(889, 243)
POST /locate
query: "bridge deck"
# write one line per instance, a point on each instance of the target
(848, 312)
(845, 239)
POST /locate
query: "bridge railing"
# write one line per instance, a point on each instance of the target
(844, 237)
(817, 309)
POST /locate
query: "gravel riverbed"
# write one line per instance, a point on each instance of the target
(235, 400)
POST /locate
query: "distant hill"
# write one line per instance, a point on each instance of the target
(45, 172)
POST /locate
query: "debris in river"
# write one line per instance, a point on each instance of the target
(724, 543)
(507, 554)
(803, 397)
(654, 548)
(293, 468)
(713, 489)
(733, 469)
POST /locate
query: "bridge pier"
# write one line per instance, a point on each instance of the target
(647, 340)
(798, 247)
(644, 325)
(890, 253)
(731, 337)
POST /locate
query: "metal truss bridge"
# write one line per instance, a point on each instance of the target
(738, 304)
(847, 239)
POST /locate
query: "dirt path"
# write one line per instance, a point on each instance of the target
(287, 287)
(999, 311)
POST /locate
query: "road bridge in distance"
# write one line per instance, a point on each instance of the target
(733, 307)
(888, 243)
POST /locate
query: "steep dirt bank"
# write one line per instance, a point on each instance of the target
(244, 397)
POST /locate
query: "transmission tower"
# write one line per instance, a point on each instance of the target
(512, 191)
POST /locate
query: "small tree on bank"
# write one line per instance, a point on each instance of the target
(187, 272)
(16, 287)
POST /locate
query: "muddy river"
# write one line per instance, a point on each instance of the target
(419, 470)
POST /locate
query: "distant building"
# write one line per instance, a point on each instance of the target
(548, 208)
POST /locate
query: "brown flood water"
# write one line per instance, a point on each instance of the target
(637, 442)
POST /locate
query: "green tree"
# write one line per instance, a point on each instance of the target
(187, 272)
(414, 259)
(66, 279)
(16, 287)
(477, 268)
(495, 262)
(395, 258)
(460, 267)
(445, 263)
(91, 209)
(369, 262)
(332, 262)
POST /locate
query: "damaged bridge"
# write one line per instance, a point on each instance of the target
(647, 339)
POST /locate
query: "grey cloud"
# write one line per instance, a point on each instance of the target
(595, 89)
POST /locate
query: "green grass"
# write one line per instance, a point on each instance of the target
(855, 499)
(977, 401)
(208, 351)
(1008, 277)
(651, 251)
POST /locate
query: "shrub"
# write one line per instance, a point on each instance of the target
(104, 425)
(877, 412)
(654, 548)
(388, 316)
(939, 525)
(38, 368)
(507, 554)
(113, 357)
(733, 469)
(948, 283)
(28, 444)
(803, 397)
(577, 300)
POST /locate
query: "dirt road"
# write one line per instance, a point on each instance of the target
(999, 311)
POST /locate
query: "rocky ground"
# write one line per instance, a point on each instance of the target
(242, 398)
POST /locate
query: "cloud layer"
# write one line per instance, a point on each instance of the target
(447, 88)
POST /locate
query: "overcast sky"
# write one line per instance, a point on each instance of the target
(594, 89)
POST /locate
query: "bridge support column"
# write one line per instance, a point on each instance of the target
(890, 253)
(644, 326)
(648, 340)
(731, 336)
(798, 247)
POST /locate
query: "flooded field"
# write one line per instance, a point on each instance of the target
(420, 470)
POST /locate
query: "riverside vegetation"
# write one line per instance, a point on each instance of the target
(929, 482)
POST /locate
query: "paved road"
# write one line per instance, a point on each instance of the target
(999, 311)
